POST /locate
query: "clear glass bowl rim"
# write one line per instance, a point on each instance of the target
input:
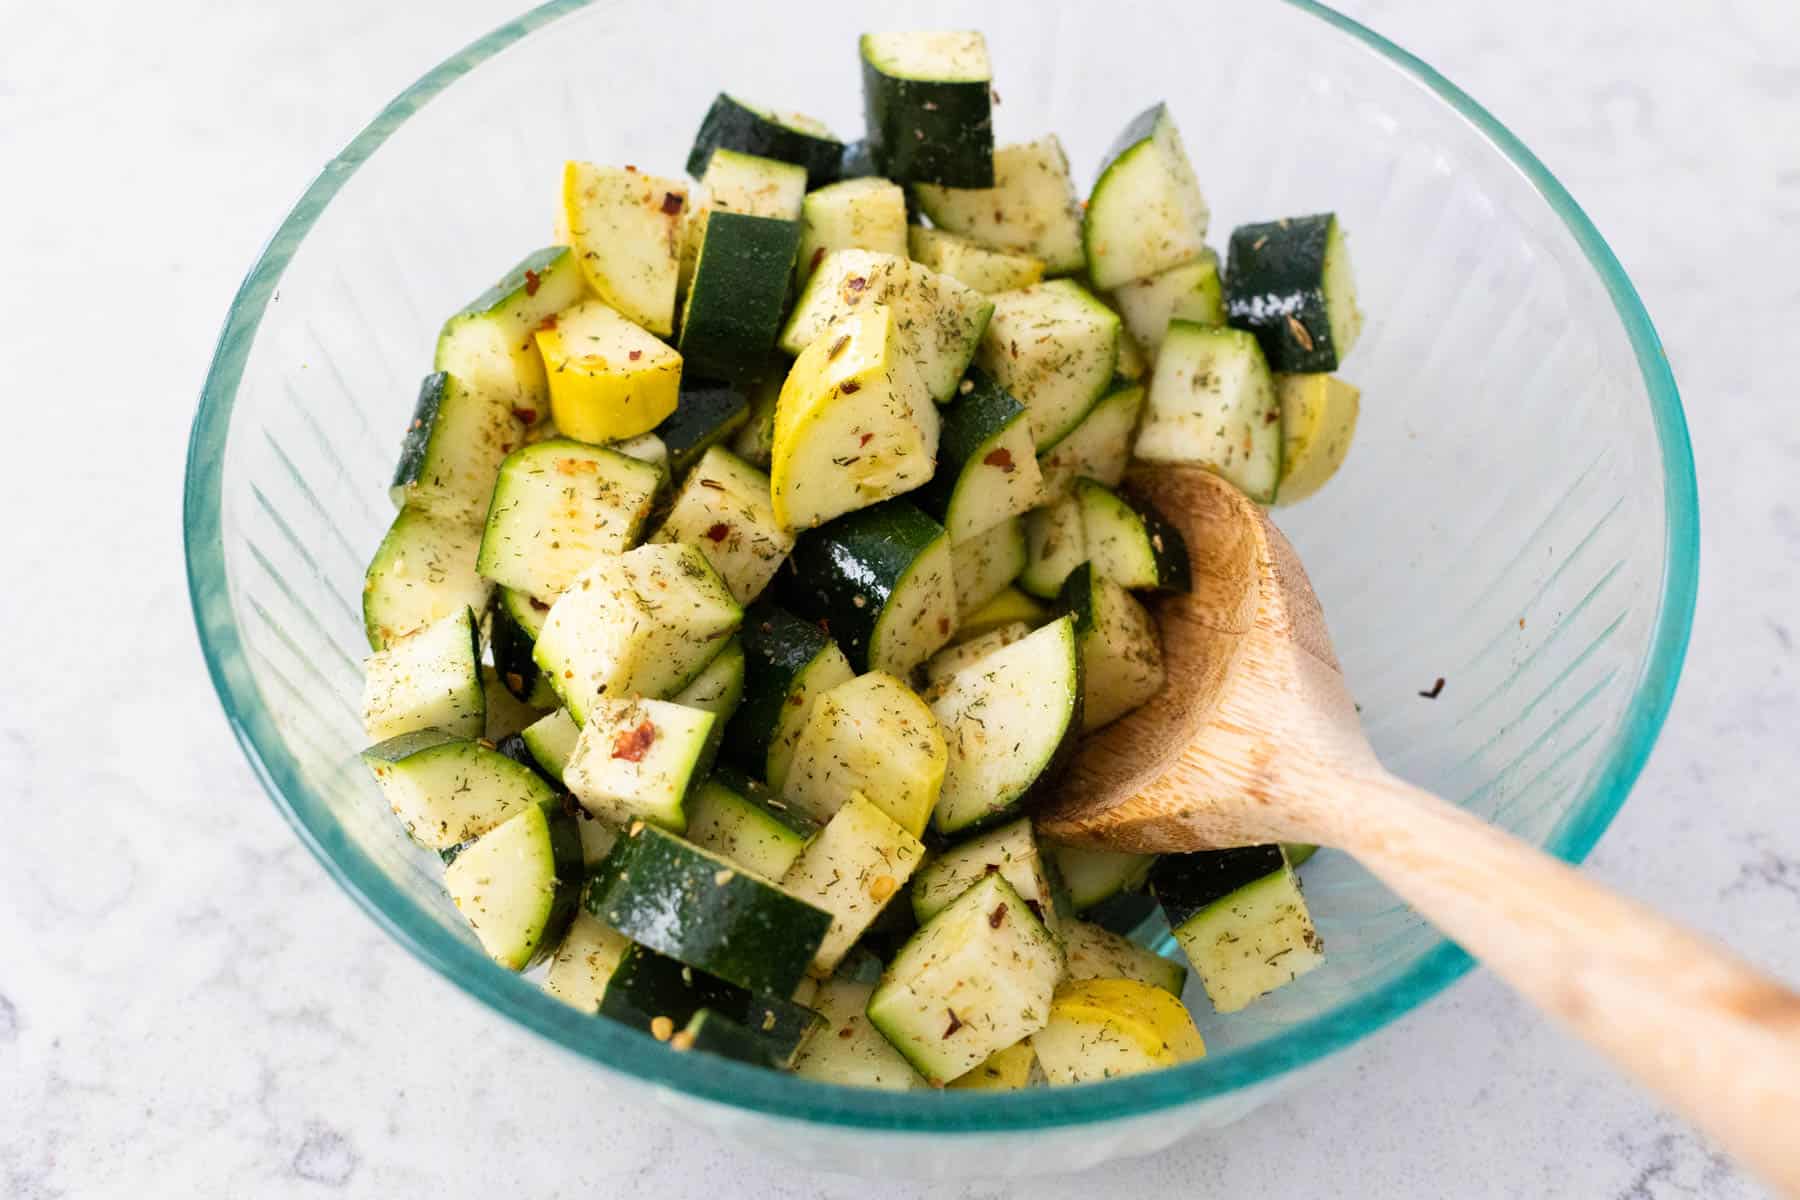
(783, 1096)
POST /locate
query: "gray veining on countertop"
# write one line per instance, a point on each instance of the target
(188, 1006)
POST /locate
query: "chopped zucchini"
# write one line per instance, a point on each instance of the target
(514, 620)
(855, 214)
(1109, 1028)
(1289, 283)
(719, 688)
(738, 818)
(1054, 346)
(586, 959)
(951, 659)
(1098, 447)
(723, 510)
(987, 467)
(939, 320)
(1129, 541)
(423, 571)
(1055, 544)
(707, 412)
(626, 227)
(640, 623)
(858, 862)
(1190, 292)
(871, 735)
(453, 449)
(1096, 953)
(1121, 653)
(557, 507)
(609, 380)
(1239, 917)
(927, 102)
(754, 441)
(853, 425)
(516, 885)
(788, 664)
(1007, 720)
(1092, 876)
(660, 995)
(1318, 421)
(879, 579)
(969, 262)
(754, 184)
(977, 978)
(506, 713)
(1007, 1070)
(429, 679)
(1032, 208)
(1011, 850)
(733, 124)
(1213, 404)
(1146, 213)
(447, 790)
(849, 1050)
(551, 740)
(1009, 606)
(668, 894)
(739, 290)
(640, 760)
(987, 563)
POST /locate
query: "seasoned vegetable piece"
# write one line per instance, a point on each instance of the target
(1239, 917)
(987, 563)
(514, 619)
(1129, 541)
(719, 688)
(640, 623)
(557, 507)
(724, 510)
(1096, 953)
(429, 679)
(1212, 404)
(551, 740)
(966, 261)
(1318, 421)
(859, 862)
(1099, 446)
(589, 954)
(1006, 1070)
(1053, 346)
(856, 214)
(738, 294)
(790, 137)
(753, 184)
(423, 571)
(788, 664)
(1092, 876)
(660, 996)
(754, 441)
(987, 467)
(1289, 283)
(951, 659)
(849, 1049)
(668, 894)
(1055, 544)
(738, 818)
(1011, 850)
(1190, 292)
(608, 378)
(1146, 213)
(507, 715)
(927, 103)
(517, 884)
(707, 412)
(1108, 1028)
(939, 321)
(870, 735)
(626, 227)
(1121, 654)
(1009, 606)
(453, 449)
(854, 424)
(640, 760)
(976, 979)
(1031, 209)
(880, 580)
(446, 789)
(1007, 722)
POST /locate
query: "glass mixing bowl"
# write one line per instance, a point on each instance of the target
(1518, 514)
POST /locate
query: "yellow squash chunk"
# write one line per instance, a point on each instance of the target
(1105, 1028)
(609, 380)
(626, 227)
(1318, 422)
(1005, 1070)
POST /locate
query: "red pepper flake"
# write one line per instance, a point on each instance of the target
(993, 95)
(712, 485)
(719, 532)
(631, 744)
(632, 168)
(850, 387)
(864, 440)
(944, 626)
(997, 916)
(635, 355)
(796, 699)
(856, 283)
(539, 605)
(548, 323)
(532, 282)
(848, 1031)
(527, 415)
(1437, 689)
(672, 203)
(817, 258)
(1001, 458)
(515, 682)
(956, 1022)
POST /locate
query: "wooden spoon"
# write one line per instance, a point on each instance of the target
(1255, 739)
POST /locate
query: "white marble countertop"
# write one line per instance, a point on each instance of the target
(188, 1006)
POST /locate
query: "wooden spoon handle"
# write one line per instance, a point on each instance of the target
(1714, 1038)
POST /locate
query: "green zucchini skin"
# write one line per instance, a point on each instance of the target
(1174, 572)
(929, 131)
(778, 647)
(1185, 884)
(737, 126)
(728, 923)
(735, 303)
(862, 554)
(1274, 280)
(647, 985)
(417, 442)
(514, 746)
(968, 422)
(1122, 914)
(706, 413)
(711, 1032)
(510, 638)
